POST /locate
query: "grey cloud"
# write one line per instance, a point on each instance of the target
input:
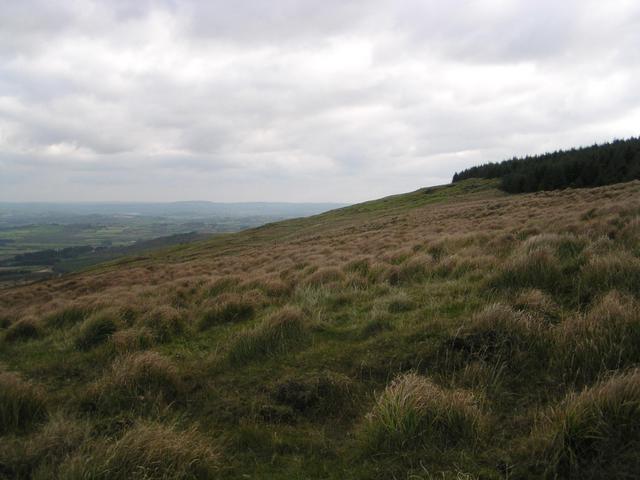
(292, 100)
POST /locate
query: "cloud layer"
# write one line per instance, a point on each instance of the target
(300, 100)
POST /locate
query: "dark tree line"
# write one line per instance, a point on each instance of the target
(615, 162)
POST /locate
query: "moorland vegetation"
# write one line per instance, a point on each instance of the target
(454, 332)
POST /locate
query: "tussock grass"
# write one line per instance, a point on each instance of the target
(537, 303)
(164, 322)
(24, 329)
(328, 393)
(5, 320)
(96, 329)
(132, 339)
(413, 412)
(66, 316)
(606, 338)
(148, 451)
(500, 334)
(227, 308)
(416, 268)
(325, 276)
(360, 266)
(399, 302)
(39, 455)
(596, 433)
(630, 235)
(282, 332)
(619, 270)
(377, 324)
(538, 268)
(222, 285)
(272, 285)
(137, 381)
(22, 404)
(430, 261)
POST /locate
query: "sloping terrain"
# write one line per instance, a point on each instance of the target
(453, 332)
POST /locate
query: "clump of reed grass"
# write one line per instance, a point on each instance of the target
(39, 455)
(630, 234)
(24, 329)
(66, 316)
(22, 404)
(147, 451)
(325, 276)
(282, 332)
(500, 334)
(136, 381)
(222, 285)
(96, 329)
(132, 339)
(413, 412)
(399, 302)
(5, 320)
(596, 433)
(327, 393)
(416, 268)
(619, 270)
(537, 303)
(538, 268)
(606, 338)
(164, 322)
(378, 323)
(360, 266)
(225, 309)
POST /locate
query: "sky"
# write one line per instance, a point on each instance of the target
(300, 101)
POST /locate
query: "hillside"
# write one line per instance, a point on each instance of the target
(453, 332)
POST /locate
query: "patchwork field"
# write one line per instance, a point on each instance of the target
(452, 332)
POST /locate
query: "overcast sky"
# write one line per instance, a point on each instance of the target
(285, 100)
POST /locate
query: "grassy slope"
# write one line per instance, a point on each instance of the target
(401, 284)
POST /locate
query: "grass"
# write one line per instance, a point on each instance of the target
(282, 332)
(413, 412)
(66, 316)
(22, 404)
(141, 381)
(456, 332)
(96, 330)
(23, 329)
(501, 334)
(147, 451)
(604, 339)
(45, 450)
(227, 308)
(327, 393)
(164, 323)
(596, 433)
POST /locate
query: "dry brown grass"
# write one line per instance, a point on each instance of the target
(21, 403)
(164, 322)
(26, 328)
(148, 451)
(548, 260)
(43, 452)
(413, 412)
(143, 380)
(606, 338)
(282, 332)
(596, 433)
(500, 334)
(227, 308)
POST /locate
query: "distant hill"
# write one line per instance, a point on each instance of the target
(25, 213)
(594, 166)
